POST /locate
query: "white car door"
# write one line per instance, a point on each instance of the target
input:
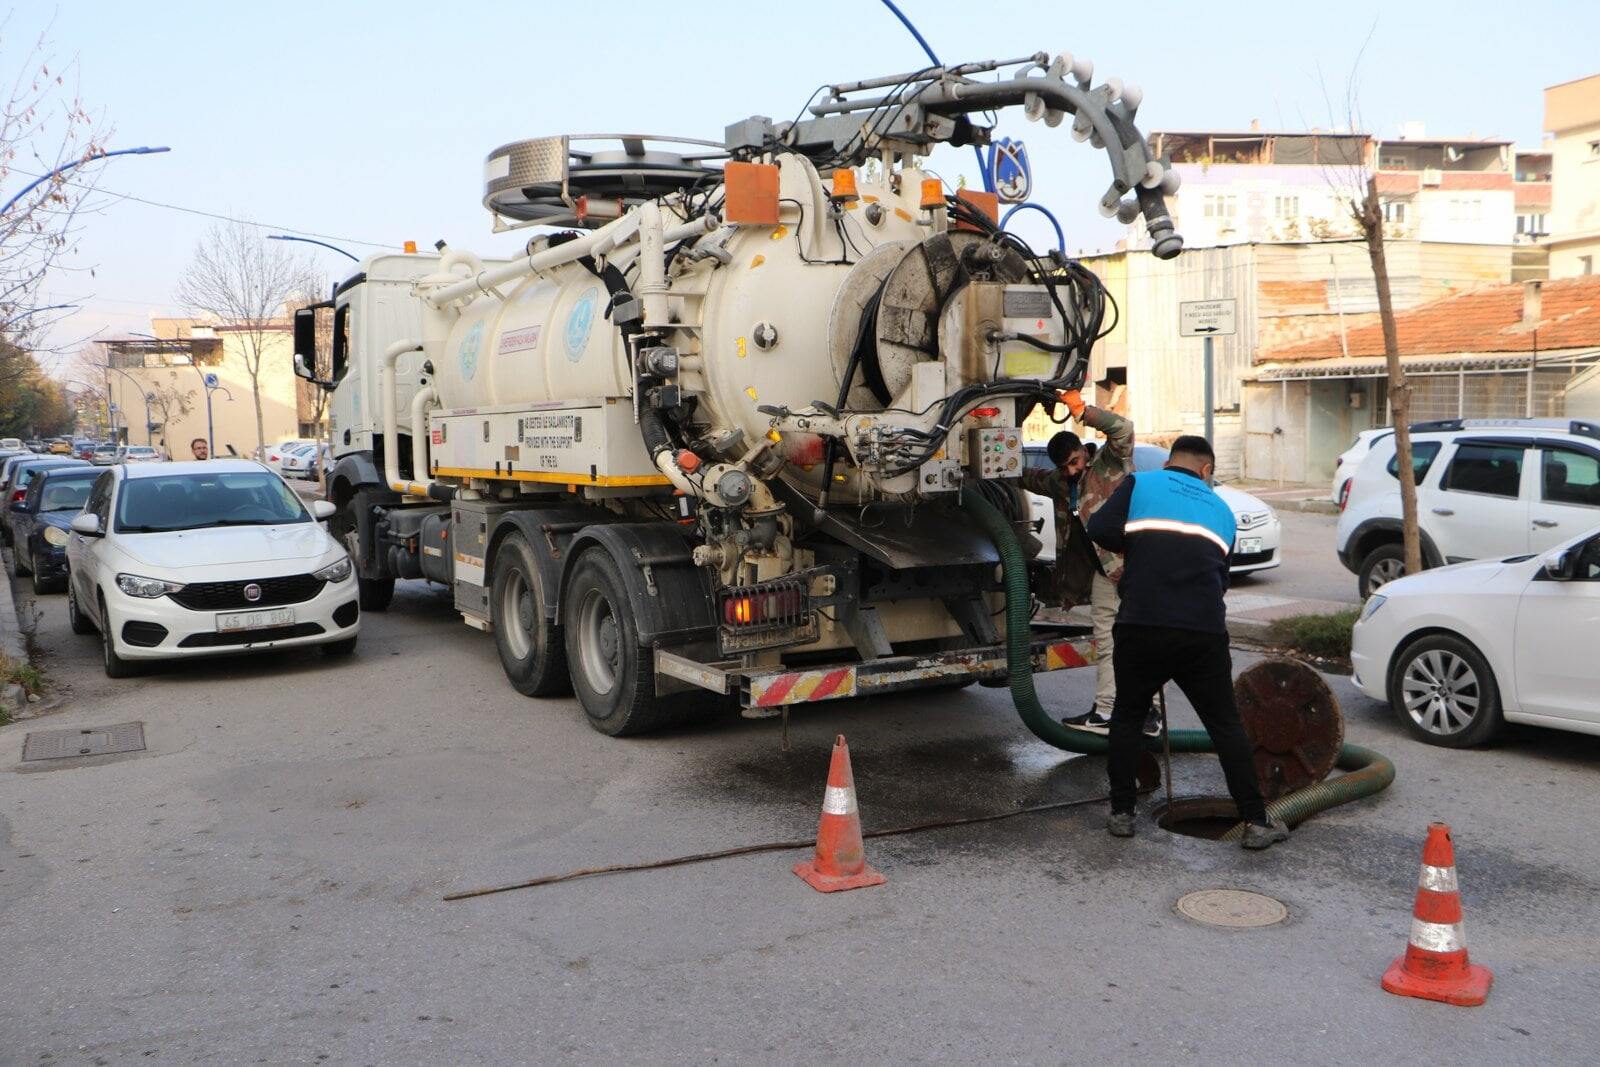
(1480, 508)
(1557, 670)
(1566, 497)
(83, 552)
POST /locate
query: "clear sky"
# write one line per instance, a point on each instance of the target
(370, 121)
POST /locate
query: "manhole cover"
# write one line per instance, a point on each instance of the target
(1233, 908)
(96, 741)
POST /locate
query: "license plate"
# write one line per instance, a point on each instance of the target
(234, 621)
(1249, 545)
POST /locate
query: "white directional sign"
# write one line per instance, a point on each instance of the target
(1206, 318)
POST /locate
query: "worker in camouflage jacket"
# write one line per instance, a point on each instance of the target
(1084, 572)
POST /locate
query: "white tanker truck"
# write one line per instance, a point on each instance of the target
(710, 433)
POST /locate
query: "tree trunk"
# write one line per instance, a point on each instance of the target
(261, 432)
(1371, 219)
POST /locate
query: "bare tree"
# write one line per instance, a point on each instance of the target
(242, 282)
(171, 399)
(44, 126)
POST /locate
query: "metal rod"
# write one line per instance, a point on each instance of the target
(1210, 391)
(926, 74)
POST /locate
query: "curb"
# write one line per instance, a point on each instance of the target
(13, 645)
(1310, 507)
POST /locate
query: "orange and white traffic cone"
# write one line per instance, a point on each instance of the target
(840, 861)
(1435, 965)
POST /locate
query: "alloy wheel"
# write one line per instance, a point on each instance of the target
(1441, 691)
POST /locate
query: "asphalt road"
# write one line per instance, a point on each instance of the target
(1310, 569)
(263, 884)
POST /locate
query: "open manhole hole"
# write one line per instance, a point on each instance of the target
(1236, 909)
(1204, 817)
(89, 741)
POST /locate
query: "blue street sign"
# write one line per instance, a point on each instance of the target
(211, 381)
(1009, 172)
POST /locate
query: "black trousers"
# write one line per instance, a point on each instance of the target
(1147, 657)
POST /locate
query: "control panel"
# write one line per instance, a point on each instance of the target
(995, 452)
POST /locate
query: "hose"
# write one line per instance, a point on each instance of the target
(1368, 771)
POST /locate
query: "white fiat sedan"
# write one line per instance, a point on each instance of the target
(192, 559)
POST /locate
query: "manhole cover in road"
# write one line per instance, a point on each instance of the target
(98, 741)
(1233, 908)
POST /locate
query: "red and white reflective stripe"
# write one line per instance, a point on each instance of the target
(1193, 529)
(1437, 879)
(803, 686)
(838, 800)
(1437, 937)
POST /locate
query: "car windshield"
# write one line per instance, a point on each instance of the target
(194, 501)
(65, 494)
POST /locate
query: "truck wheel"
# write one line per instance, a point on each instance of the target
(531, 648)
(375, 593)
(612, 674)
(1380, 567)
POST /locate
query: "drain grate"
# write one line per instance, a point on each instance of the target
(1236, 909)
(97, 741)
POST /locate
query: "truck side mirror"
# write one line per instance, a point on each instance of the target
(305, 341)
(300, 368)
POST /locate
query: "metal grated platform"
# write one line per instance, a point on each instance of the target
(97, 741)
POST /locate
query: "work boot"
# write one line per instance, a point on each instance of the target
(1091, 721)
(1120, 824)
(1259, 835)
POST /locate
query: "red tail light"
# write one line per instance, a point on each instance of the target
(1344, 492)
(17, 495)
(758, 606)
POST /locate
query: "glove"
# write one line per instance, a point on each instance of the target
(1074, 401)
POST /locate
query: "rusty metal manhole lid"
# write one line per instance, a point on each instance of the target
(1236, 909)
(88, 741)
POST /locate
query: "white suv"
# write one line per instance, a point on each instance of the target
(1485, 488)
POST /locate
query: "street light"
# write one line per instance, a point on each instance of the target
(310, 241)
(147, 398)
(41, 179)
(209, 380)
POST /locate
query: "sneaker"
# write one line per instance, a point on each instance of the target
(1090, 721)
(1152, 722)
(1258, 835)
(1120, 824)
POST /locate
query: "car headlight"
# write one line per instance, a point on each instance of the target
(55, 535)
(148, 588)
(334, 572)
(1374, 602)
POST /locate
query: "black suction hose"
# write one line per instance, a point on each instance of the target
(1367, 772)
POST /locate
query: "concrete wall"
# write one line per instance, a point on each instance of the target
(1572, 116)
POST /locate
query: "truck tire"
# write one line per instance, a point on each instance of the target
(1380, 566)
(531, 647)
(375, 593)
(612, 674)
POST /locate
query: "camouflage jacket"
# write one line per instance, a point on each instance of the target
(1111, 464)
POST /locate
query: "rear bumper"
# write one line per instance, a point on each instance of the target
(776, 687)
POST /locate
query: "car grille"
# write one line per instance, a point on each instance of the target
(251, 637)
(1246, 559)
(222, 596)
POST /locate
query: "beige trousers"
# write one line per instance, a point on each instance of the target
(1103, 604)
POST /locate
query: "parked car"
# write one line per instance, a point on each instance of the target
(140, 454)
(201, 558)
(1258, 538)
(59, 446)
(274, 454)
(83, 448)
(20, 473)
(40, 523)
(104, 455)
(1350, 459)
(33, 444)
(1486, 489)
(1457, 652)
(11, 444)
(297, 460)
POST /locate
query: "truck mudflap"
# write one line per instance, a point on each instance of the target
(775, 687)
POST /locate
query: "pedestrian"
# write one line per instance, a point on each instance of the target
(1175, 534)
(1082, 481)
(200, 448)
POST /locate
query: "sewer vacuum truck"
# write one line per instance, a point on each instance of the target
(721, 429)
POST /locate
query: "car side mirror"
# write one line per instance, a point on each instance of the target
(323, 509)
(1560, 566)
(88, 524)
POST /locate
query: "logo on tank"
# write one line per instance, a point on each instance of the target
(580, 320)
(469, 351)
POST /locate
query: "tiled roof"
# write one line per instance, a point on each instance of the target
(1488, 319)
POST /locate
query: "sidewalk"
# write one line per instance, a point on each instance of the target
(1308, 498)
(1250, 614)
(13, 645)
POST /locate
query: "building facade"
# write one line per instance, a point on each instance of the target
(1572, 122)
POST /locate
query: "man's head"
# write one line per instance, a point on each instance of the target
(1066, 452)
(200, 449)
(1194, 454)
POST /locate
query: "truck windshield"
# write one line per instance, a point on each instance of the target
(195, 501)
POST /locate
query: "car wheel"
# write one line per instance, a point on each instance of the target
(115, 665)
(75, 617)
(1444, 693)
(339, 649)
(1380, 567)
(531, 647)
(18, 553)
(40, 586)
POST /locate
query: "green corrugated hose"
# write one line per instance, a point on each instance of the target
(1367, 771)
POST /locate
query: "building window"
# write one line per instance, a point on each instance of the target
(1586, 265)
(1394, 211)
(1393, 163)
(1286, 207)
(1531, 225)
(1220, 206)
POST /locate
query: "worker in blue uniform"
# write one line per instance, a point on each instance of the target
(1176, 534)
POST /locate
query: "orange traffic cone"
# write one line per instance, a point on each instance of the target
(840, 861)
(1435, 965)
